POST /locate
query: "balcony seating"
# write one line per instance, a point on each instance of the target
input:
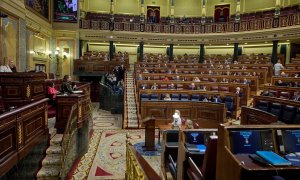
(288, 113)
(263, 105)
(163, 86)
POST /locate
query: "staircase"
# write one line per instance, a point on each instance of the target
(51, 164)
(130, 114)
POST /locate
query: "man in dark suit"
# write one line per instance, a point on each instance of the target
(66, 87)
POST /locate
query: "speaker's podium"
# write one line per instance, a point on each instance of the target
(149, 123)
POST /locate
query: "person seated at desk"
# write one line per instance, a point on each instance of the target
(167, 97)
(171, 86)
(280, 83)
(154, 86)
(52, 92)
(66, 87)
(192, 86)
(5, 67)
(238, 91)
(12, 67)
(296, 96)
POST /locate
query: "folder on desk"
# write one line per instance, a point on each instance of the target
(273, 158)
(195, 147)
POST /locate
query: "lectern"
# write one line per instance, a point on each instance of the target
(149, 123)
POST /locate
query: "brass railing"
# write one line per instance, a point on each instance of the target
(68, 145)
(70, 130)
(137, 168)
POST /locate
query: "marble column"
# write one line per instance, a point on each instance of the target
(111, 50)
(141, 52)
(171, 58)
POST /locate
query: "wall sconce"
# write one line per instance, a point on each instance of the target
(59, 56)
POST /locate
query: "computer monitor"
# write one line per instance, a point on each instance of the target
(250, 141)
(291, 140)
(197, 137)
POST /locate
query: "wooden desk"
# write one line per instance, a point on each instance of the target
(163, 127)
(21, 130)
(19, 89)
(63, 109)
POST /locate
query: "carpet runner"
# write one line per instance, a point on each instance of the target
(130, 114)
(106, 157)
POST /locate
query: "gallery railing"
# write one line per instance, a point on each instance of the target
(194, 28)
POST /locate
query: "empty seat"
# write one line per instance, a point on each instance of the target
(297, 117)
(179, 86)
(144, 97)
(224, 89)
(175, 97)
(275, 109)
(229, 105)
(154, 97)
(262, 105)
(273, 93)
(214, 88)
(288, 113)
(163, 86)
(195, 97)
(285, 95)
(184, 97)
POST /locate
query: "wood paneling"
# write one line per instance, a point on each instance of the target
(20, 131)
(207, 115)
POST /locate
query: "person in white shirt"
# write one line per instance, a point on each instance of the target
(5, 67)
(277, 67)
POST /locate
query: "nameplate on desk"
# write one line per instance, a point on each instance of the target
(77, 92)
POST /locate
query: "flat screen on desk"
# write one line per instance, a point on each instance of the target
(194, 137)
(291, 140)
(250, 141)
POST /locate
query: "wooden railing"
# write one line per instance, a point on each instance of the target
(242, 26)
(82, 67)
(137, 168)
(20, 130)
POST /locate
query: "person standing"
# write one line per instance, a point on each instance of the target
(277, 67)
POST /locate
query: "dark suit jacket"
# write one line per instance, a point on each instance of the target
(66, 87)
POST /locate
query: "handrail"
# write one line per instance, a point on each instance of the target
(136, 166)
(67, 140)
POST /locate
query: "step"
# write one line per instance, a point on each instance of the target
(48, 173)
(52, 132)
(52, 160)
(53, 150)
(56, 140)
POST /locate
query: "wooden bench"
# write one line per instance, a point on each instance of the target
(268, 67)
(286, 110)
(254, 84)
(96, 67)
(286, 80)
(261, 73)
(206, 114)
(276, 91)
(185, 85)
